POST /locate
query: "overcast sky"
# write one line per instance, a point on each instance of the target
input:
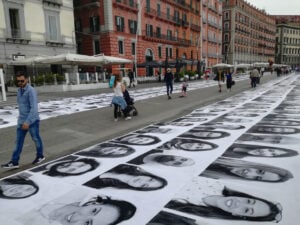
(278, 7)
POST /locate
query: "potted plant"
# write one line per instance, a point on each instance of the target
(181, 75)
(191, 75)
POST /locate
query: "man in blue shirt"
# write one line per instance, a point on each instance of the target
(28, 120)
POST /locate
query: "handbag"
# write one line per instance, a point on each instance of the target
(232, 82)
(112, 81)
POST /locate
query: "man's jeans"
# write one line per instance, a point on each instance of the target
(34, 130)
(169, 88)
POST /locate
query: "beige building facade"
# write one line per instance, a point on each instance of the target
(248, 33)
(288, 40)
(35, 27)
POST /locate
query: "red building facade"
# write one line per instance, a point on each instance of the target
(248, 33)
(211, 32)
(162, 33)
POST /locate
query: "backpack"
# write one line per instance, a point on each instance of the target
(112, 81)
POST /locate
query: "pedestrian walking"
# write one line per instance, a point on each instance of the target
(220, 78)
(169, 82)
(254, 75)
(118, 99)
(229, 81)
(158, 75)
(184, 88)
(131, 78)
(28, 120)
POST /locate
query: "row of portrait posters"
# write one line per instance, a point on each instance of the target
(231, 162)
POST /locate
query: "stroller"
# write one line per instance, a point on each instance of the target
(130, 104)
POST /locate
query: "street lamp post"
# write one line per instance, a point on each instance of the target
(139, 7)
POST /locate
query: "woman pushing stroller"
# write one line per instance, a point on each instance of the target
(118, 99)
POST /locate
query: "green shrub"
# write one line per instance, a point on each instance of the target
(48, 78)
(60, 78)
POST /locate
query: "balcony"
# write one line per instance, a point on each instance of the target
(53, 2)
(87, 4)
(18, 36)
(158, 37)
(212, 39)
(126, 5)
(195, 27)
(52, 41)
(179, 3)
(167, 18)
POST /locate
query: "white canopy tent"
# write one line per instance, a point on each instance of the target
(111, 60)
(70, 59)
(243, 65)
(222, 66)
(28, 61)
(260, 64)
(73, 60)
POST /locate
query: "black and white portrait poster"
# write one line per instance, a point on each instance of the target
(232, 162)
(233, 203)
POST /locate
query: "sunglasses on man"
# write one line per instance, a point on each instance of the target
(20, 81)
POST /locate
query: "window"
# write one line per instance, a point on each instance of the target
(132, 48)
(94, 24)
(169, 34)
(159, 52)
(226, 37)
(131, 3)
(52, 26)
(149, 30)
(184, 18)
(15, 23)
(158, 10)
(169, 52)
(226, 25)
(132, 26)
(148, 6)
(96, 47)
(14, 18)
(176, 16)
(158, 32)
(78, 25)
(79, 47)
(168, 13)
(119, 23)
(121, 47)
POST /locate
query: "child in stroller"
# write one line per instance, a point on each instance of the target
(132, 111)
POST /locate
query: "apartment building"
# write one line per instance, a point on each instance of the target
(35, 27)
(287, 40)
(155, 34)
(211, 32)
(248, 33)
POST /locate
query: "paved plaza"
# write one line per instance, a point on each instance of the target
(210, 158)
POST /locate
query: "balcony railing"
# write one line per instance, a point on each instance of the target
(55, 2)
(166, 17)
(17, 35)
(126, 4)
(165, 38)
(58, 41)
(195, 27)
